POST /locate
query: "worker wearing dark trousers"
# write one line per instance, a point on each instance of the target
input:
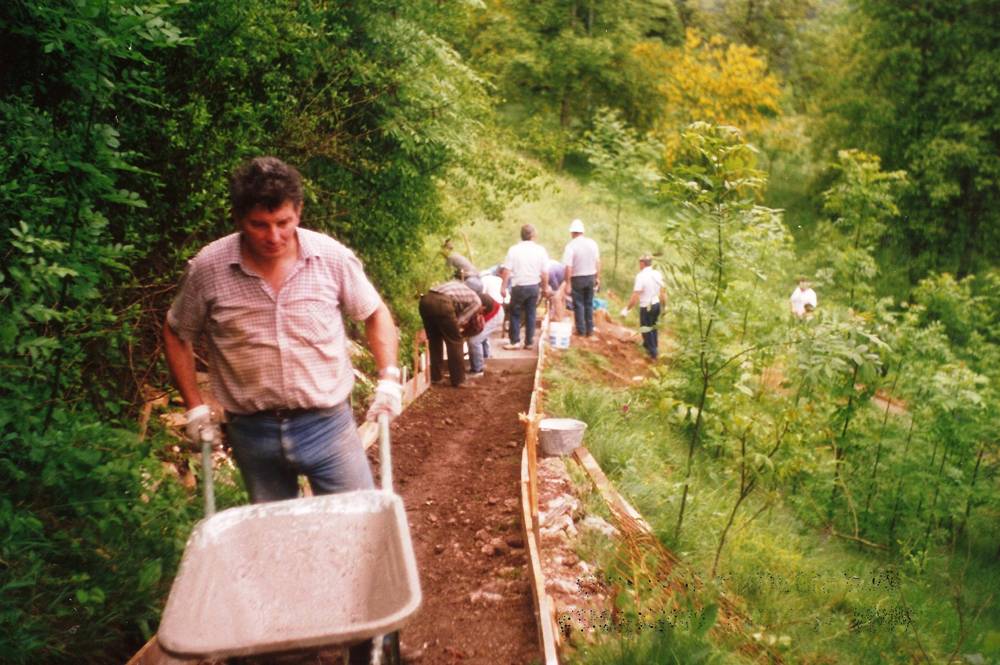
(648, 317)
(450, 311)
(650, 296)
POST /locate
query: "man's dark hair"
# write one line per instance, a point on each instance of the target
(264, 181)
(527, 232)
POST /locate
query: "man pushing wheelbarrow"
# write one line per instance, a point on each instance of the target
(269, 301)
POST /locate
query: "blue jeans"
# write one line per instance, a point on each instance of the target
(479, 346)
(322, 444)
(526, 298)
(583, 303)
(647, 319)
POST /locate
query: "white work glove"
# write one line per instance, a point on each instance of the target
(199, 426)
(388, 400)
(624, 312)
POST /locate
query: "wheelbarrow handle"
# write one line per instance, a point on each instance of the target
(206, 472)
(384, 453)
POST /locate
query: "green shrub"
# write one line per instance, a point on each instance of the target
(93, 530)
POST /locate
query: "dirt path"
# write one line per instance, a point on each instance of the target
(456, 458)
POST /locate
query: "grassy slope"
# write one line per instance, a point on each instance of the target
(798, 584)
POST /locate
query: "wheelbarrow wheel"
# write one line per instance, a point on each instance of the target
(390, 649)
(360, 654)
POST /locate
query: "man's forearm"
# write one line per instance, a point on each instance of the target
(468, 312)
(383, 341)
(180, 360)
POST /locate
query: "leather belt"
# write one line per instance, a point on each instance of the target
(283, 414)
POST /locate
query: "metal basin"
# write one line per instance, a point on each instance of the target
(560, 436)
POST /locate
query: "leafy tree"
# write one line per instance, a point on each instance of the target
(371, 105)
(776, 28)
(121, 122)
(956, 305)
(555, 62)
(84, 543)
(720, 236)
(915, 85)
(710, 80)
(623, 163)
(761, 431)
(862, 202)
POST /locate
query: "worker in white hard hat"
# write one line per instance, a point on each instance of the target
(582, 259)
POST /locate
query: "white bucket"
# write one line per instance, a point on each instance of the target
(560, 436)
(559, 334)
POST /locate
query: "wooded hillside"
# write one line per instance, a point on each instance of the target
(854, 141)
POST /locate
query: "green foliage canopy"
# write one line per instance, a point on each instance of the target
(556, 62)
(918, 88)
(120, 124)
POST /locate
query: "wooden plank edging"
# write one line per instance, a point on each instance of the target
(616, 502)
(544, 612)
(544, 608)
(412, 389)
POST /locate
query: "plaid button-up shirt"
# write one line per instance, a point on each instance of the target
(272, 350)
(465, 301)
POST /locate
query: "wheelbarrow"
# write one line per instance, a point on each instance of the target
(288, 576)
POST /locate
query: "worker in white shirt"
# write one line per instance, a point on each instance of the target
(649, 294)
(803, 299)
(583, 272)
(526, 266)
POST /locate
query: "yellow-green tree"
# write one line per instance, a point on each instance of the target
(709, 80)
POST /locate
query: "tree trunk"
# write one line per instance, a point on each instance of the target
(931, 521)
(691, 446)
(745, 489)
(873, 487)
(725, 531)
(972, 488)
(618, 228)
(899, 484)
(838, 451)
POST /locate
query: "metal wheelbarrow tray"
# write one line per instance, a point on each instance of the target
(292, 575)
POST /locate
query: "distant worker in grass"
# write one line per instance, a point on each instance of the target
(462, 268)
(649, 294)
(803, 299)
(269, 301)
(526, 266)
(451, 312)
(582, 259)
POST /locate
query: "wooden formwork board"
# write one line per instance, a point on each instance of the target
(616, 502)
(543, 604)
(544, 609)
(412, 389)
